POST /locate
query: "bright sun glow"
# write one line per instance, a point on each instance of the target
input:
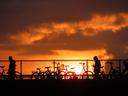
(78, 70)
(62, 55)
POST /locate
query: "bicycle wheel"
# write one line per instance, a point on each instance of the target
(116, 75)
(87, 75)
(71, 75)
(49, 75)
(18, 76)
(102, 75)
(4, 75)
(58, 75)
(36, 76)
(63, 74)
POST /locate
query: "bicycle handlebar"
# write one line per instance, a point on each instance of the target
(48, 67)
(109, 62)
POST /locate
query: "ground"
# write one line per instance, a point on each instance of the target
(65, 87)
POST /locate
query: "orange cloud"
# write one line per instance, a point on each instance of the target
(26, 37)
(98, 23)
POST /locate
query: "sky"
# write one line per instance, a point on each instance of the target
(63, 29)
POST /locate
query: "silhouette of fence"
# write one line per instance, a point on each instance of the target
(25, 68)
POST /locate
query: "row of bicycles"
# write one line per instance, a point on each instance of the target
(113, 73)
(58, 74)
(61, 73)
(48, 74)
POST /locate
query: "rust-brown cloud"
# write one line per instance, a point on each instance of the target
(42, 26)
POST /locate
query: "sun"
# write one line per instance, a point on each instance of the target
(78, 70)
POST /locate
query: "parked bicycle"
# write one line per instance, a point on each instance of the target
(58, 74)
(87, 74)
(68, 74)
(48, 74)
(4, 73)
(114, 73)
(63, 72)
(38, 74)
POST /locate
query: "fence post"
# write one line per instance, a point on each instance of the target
(54, 62)
(87, 69)
(21, 69)
(120, 65)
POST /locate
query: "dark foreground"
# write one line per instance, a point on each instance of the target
(65, 88)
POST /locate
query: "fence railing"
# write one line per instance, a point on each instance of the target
(70, 68)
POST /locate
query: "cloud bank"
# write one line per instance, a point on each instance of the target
(44, 26)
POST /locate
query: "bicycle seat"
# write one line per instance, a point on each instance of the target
(38, 68)
(48, 67)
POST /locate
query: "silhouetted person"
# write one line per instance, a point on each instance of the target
(97, 67)
(12, 67)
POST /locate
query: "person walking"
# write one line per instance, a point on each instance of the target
(97, 67)
(12, 67)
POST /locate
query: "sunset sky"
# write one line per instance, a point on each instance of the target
(63, 29)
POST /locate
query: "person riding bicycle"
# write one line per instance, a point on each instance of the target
(97, 67)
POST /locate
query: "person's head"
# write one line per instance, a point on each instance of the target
(10, 58)
(95, 58)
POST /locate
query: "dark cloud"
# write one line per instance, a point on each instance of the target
(16, 15)
(114, 43)
(57, 41)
